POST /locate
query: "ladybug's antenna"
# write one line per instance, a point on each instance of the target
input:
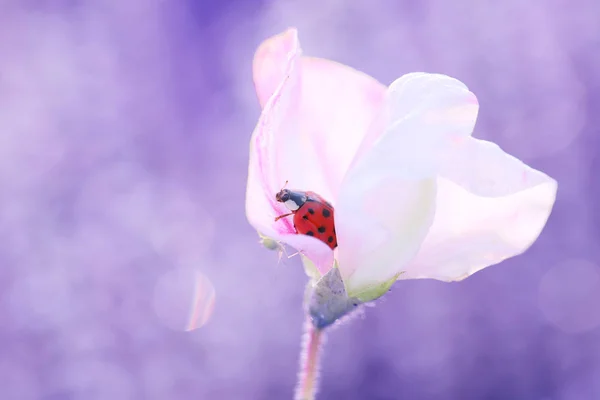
(285, 184)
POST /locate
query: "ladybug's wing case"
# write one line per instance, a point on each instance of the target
(315, 218)
(303, 224)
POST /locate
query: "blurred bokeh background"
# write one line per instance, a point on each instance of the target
(128, 269)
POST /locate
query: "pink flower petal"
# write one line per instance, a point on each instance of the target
(491, 207)
(275, 125)
(336, 106)
(271, 63)
(387, 200)
(315, 115)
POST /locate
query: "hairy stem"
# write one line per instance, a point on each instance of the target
(309, 362)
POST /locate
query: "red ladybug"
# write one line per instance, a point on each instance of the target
(313, 215)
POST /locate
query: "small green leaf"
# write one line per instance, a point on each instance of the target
(373, 292)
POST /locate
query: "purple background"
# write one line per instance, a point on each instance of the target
(124, 130)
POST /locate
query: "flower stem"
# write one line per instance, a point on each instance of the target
(309, 362)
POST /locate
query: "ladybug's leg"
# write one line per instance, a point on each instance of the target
(283, 216)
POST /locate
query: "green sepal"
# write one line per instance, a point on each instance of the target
(327, 301)
(373, 292)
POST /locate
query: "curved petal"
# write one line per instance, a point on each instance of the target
(271, 63)
(277, 123)
(387, 200)
(336, 106)
(491, 207)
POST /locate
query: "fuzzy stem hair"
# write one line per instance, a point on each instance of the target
(308, 375)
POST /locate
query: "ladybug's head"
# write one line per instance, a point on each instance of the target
(283, 195)
(293, 200)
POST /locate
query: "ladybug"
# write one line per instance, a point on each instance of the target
(313, 215)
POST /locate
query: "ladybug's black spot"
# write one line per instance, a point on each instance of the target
(305, 216)
(330, 239)
(310, 210)
(310, 233)
(322, 229)
(326, 213)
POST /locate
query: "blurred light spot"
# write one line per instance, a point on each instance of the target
(582, 385)
(16, 382)
(184, 299)
(93, 379)
(166, 217)
(569, 295)
(29, 294)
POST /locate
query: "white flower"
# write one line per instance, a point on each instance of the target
(413, 192)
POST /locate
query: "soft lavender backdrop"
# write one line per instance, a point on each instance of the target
(124, 129)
